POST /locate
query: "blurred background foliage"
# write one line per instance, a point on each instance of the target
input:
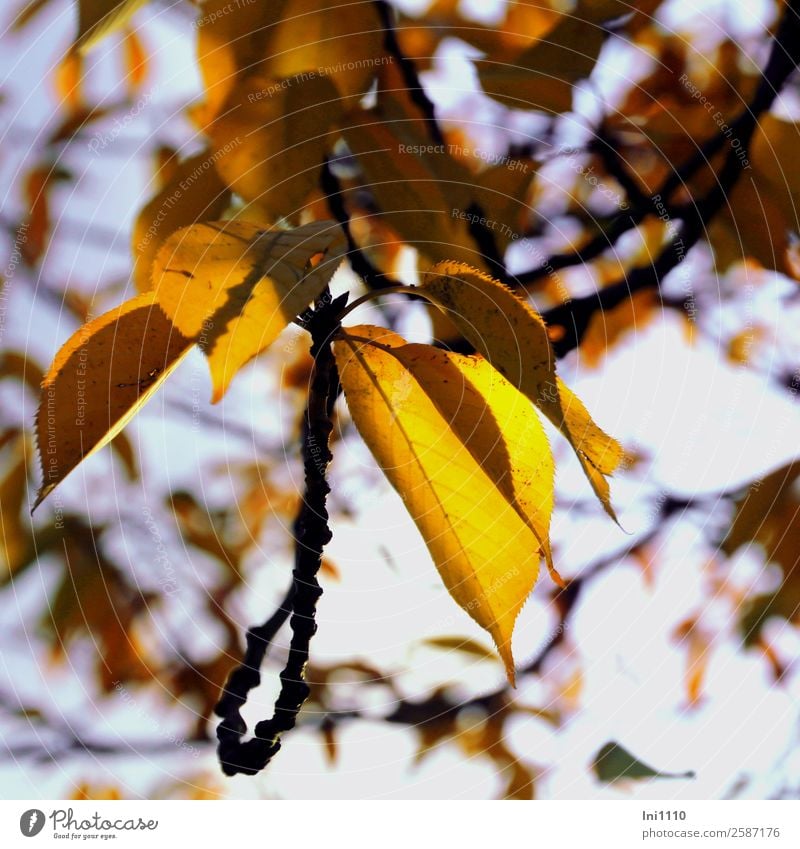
(667, 667)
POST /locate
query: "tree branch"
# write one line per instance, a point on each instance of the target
(311, 533)
(332, 189)
(574, 316)
(408, 70)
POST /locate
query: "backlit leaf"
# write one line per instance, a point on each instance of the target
(230, 46)
(468, 455)
(330, 38)
(271, 140)
(513, 337)
(232, 286)
(16, 538)
(194, 191)
(136, 61)
(461, 644)
(99, 380)
(417, 185)
(68, 80)
(544, 75)
(99, 18)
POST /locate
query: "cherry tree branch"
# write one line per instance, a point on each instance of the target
(311, 534)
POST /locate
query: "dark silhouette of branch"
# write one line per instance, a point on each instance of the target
(332, 188)
(409, 72)
(311, 534)
(783, 59)
(574, 316)
(485, 242)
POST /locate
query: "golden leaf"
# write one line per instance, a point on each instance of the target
(513, 337)
(68, 81)
(543, 76)
(99, 18)
(232, 286)
(136, 61)
(99, 380)
(416, 184)
(272, 138)
(469, 457)
(230, 46)
(328, 38)
(193, 192)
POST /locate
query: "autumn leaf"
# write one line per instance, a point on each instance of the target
(231, 45)
(470, 460)
(68, 81)
(768, 513)
(606, 328)
(460, 644)
(99, 18)
(523, 24)
(272, 138)
(330, 38)
(136, 61)
(501, 193)
(416, 185)
(193, 192)
(17, 547)
(99, 380)
(543, 76)
(513, 337)
(232, 286)
(27, 12)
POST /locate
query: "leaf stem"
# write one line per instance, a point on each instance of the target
(399, 289)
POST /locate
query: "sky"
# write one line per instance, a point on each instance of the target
(705, 425)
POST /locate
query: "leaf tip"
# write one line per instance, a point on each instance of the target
(44, 491)
(504, 649)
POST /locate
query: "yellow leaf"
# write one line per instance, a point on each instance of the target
(419, 188)
(136, 61)
(16, 539)
(232, 286)
(513, 337)
(99, 380)
(501, 192)
(606, 328)
(195, 191)
(231, 45)
(272, 138)
(752, 226)
(543, 76)
(99, 18)
(468, 455)
(740, 347)
(524, 23)
(461, 644)
(68, 79)
(342, 41)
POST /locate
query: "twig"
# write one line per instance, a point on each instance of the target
(574, 316)
(311, 535)
(332, 188)
(409, 72)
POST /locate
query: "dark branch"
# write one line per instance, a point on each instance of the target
(574, 316)
(784, 58)
(409, 72)
(332, 188)
(311, 533)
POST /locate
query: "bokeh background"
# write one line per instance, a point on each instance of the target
(126, 596)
